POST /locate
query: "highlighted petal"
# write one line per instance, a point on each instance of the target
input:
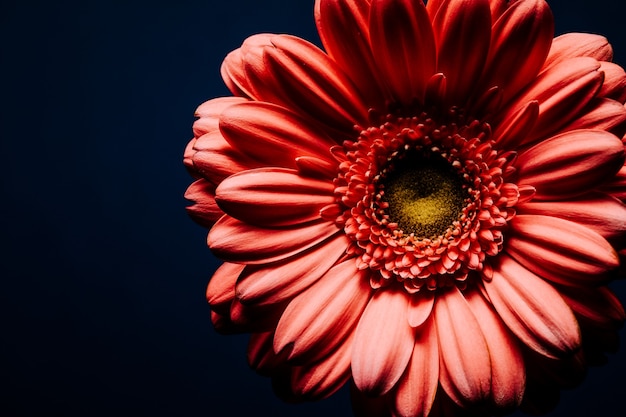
(220, 292)
(532, 309)
(614, 85)
(209, 113)
(601, 114)
(464, 357)
(562, 251)
(234, 68)
(404, 46)
(239, 242)
(572, 45)
(420, 307)
(270, 197)
(319, 318)
(570, 164)
(383, 344)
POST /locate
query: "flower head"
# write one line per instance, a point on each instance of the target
(430, 208)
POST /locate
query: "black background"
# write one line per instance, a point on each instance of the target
(102, 273)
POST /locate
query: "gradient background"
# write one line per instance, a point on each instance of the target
(102, 273)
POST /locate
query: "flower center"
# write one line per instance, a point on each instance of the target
(423, 202)
(425, 195)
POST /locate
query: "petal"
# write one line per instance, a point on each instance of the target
(255, 319)
(404, 46)
(319, 318)
(601, 114)
(383, 344)
(240, 64)
(420, 307)
(520, 41)
(204, 210)
(561, 92)
(209, 112)
(220, 292)
(602, 213)
(614, 82)
(273, 197)
(321, 379)
(272, 135)
(532, 309)
(306, 79)
(562, 251)
(416, 389)
(571, 45)
(366, 406)
(343, 29)
(273, 283)
(239, 242)
(508, 378)
(514, 130)
(464, 357)
(462, 30)
(599, 306)
(261, 356)
(571, 163)
(616, 186)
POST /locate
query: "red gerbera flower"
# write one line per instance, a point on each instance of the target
(431, 208)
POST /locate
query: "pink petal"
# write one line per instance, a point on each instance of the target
(319, 318)
(343, 29)
(520, 41)
(416, 389)
(532, 309)
(462, 32)
(270, 284)
(420, 307)
(272, 135)
(464, 356)
(321, 379)
(404, 46)
(602, 213)
(614, 82)
(204, 210)
(220, 292)
(560, 250)
(235, 241)
(383, 344)
(306, 79)
(571, 45)
(270, 197)
(570, 164)
(508, 378)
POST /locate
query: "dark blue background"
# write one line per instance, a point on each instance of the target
(102, 273)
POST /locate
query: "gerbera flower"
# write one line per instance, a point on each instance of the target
(431, 207)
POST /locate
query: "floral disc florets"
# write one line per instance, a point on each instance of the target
(425, 201)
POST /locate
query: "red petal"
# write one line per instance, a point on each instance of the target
(604, 214)
(599, 306)
(560, 250)
(420, 307)
(532, 309)
(204, 210)
(343, 29)
(270, 197)
(614, 82)
(462, 32)
(416, 389)
(572, 45)
(464, 357)
(236, 67)
(270, 284)
(220, 292)
(570, 164)
(235, 241)
(601, 114)
(508, 378)
(521, 39)
(261, 356)
(209, 113)
(320, 317)
(383, 344)
(404, 46)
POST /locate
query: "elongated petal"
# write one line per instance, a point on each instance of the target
(343, 29)
(532, 309)
(383, 344)
(598, 306)
(235, 241)
(570, 164)
(320, 317)
(462, 30)
(220, 292)
(243, 62)
(272, 134)
(403, 43)
(204, 210)
(464, 357)
(616, 186)
(601, 114)
(571, 45)
(208, 114)
(420, 307)
(416, 389)
(508, 377)
(273, 197)
(602, 213)
(308, 80)
(270, 284)
(614, 85)
(514, 129)
(261, 356)
(521, 39)
(560, 250)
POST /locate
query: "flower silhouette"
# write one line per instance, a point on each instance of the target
(430, 208)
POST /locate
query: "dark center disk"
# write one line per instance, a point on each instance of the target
(425, 195)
